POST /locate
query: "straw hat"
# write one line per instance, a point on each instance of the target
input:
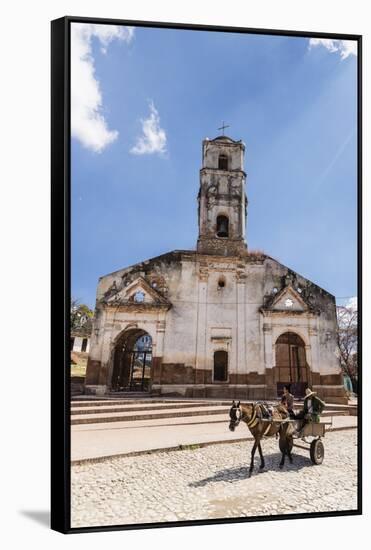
(309, 392)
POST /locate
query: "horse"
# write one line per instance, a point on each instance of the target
(253, 416)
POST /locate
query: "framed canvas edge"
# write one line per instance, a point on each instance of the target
(60, 277)
(359, 272)
(61, 273)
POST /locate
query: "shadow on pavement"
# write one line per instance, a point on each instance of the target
(230, 475)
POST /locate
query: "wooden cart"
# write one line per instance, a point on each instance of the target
(310, 435)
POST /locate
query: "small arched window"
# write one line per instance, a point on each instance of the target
(222, 226)
(221, 283)
(223, 162)
(220, 366)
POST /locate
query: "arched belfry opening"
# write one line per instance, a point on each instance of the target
(292, 369)
(222, 226)
(132, 361)
(223, 162)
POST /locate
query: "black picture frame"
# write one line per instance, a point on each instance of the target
(61, 273)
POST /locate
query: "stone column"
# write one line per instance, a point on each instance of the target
(106, 351)
(269, 360)
(201, 328)
(243, 219)
(314, 360)
(158, 352)
(202, 221)
(308, 356)
(94, 367)
(268, 346)
(241, 343)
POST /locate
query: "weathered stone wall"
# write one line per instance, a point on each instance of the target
(206, 317)
(220, 298)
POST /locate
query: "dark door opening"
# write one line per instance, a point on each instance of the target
(220, 366)
(132, 362)
(291, 366)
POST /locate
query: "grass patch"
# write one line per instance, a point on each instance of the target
(78, 370)
(189, 447)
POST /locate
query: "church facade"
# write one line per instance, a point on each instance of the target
(219, 321)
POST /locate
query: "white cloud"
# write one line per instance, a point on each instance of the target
(352, 303)
(153, 139)
(344, 47)
(88, 124)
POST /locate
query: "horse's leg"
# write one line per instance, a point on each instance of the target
(283, 447)
(262, 463)
(289, 451)
(283, 459)
(252, 457)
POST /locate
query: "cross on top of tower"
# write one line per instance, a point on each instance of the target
(223, 127)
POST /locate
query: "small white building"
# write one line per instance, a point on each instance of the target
(218, 321)
(80, 344)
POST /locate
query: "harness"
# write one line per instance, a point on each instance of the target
(253, 420)
(270, 424)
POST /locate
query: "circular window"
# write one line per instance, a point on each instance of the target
(139, 296)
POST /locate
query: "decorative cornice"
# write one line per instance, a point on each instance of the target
(288, 313)
(135, 307)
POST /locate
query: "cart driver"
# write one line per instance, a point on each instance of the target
(313, 406)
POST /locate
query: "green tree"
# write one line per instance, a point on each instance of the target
(81, 315)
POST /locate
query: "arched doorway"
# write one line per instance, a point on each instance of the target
(132, 362)
(291, 364)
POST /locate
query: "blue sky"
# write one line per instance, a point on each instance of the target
(142, 102)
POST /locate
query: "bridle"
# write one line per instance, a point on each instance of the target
(239, 416)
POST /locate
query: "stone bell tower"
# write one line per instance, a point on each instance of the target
(222, 202)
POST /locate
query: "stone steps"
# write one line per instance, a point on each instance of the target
(76, 389)
(78, 408)
(77, 403)
(154, 423)
(89, 401)
(105, 411)
(128, 407)
(130, 394)
(147, 415)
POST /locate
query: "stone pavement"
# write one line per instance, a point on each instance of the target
(160, 428)
(212, 482)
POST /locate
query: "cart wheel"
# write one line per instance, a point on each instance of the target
(281, 443)
(317, 451)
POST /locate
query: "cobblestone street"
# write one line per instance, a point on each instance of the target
(212, 482)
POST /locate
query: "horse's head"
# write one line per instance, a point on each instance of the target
(234, 415)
